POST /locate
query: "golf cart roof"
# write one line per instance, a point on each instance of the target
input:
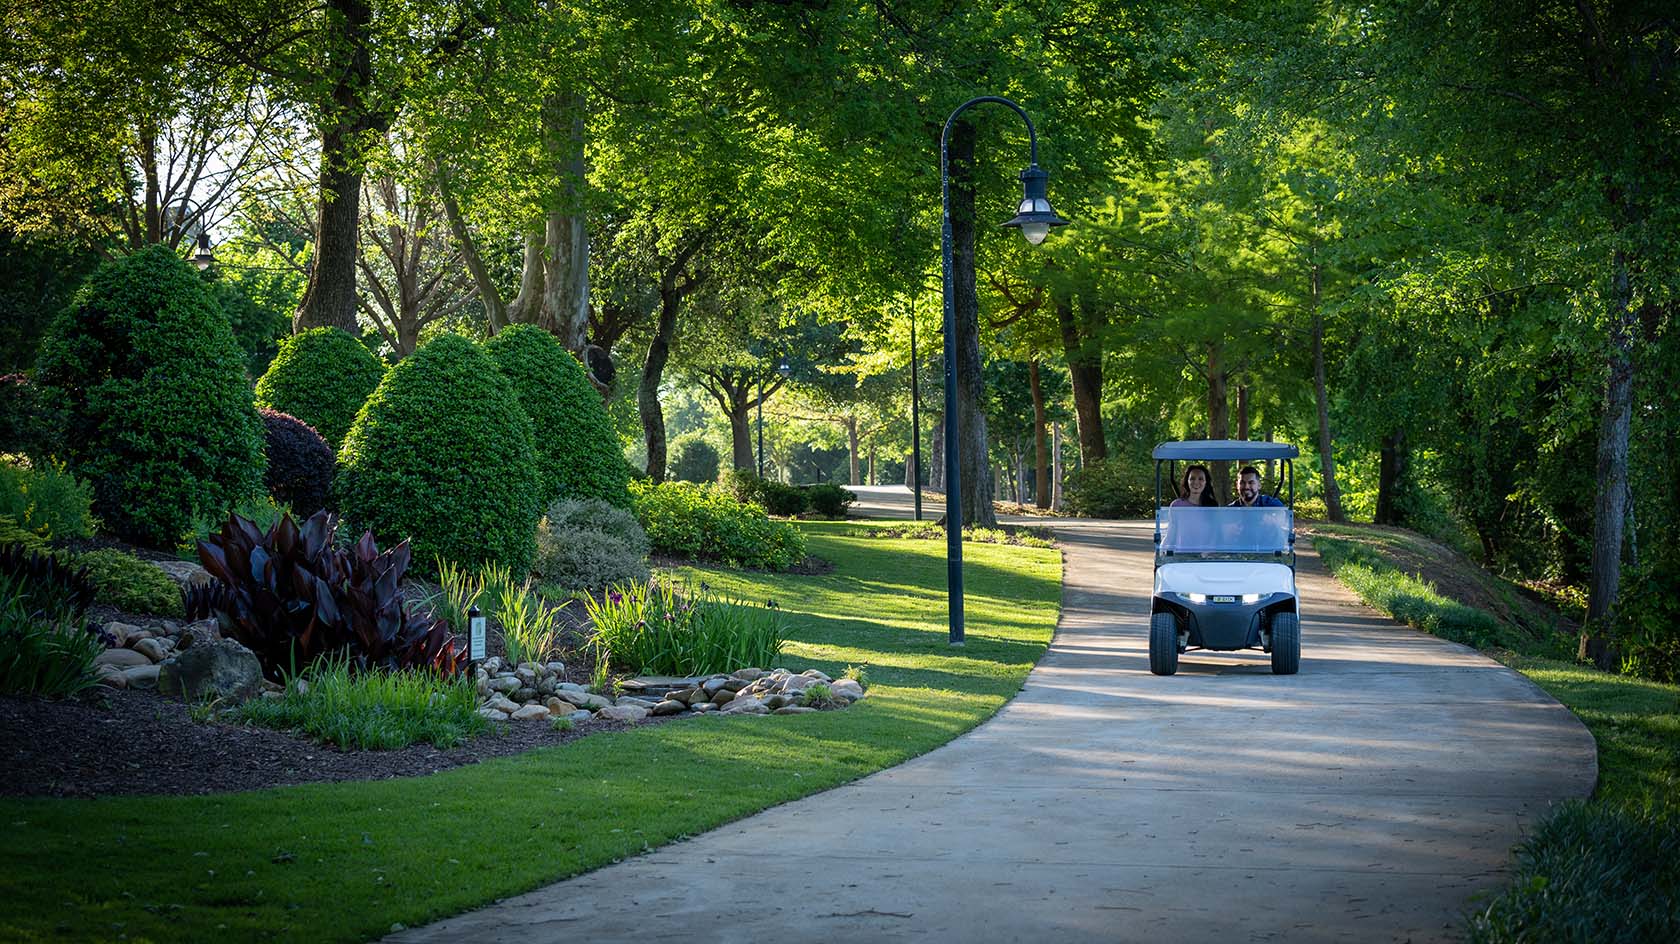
(1225, 450)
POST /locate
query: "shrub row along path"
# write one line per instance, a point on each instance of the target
(1367, 798)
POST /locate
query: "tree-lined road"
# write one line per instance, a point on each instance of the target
(1365, 799)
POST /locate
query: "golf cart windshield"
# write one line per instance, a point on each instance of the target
(1240, 530)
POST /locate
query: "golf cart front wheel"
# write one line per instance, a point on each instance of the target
(1163, 644)
(1286, 644)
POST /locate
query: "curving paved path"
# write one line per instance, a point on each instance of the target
(1365, 799)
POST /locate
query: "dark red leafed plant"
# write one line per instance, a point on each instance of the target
(291, 596)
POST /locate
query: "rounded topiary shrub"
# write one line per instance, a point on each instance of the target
(321, 376)
(158, 417)
(694, 460)
(577, 450)
(300, 463)
(442, 455)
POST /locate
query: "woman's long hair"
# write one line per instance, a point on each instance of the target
(1208, 499)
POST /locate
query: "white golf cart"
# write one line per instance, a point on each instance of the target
(1225, 576)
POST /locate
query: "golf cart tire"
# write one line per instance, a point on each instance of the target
(1163, 644)
(1286, 644)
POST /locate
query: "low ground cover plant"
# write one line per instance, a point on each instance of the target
(930, 531)
(307, 598)
(588, 545)
(372, 710)
(45, 647)
(321, 376)
(707, 522)
(656, 627)
(129, 583)
(44, 498)
(158, 414)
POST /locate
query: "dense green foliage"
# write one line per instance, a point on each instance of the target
(46, 499)
(130, 584)
(29, 426)
(577, 452)
(655, 627)
(442, 456)
(777, 498)
(322, 376)
(159, 417)
(829, 500)
(588, 545)
(300, 463)
(706, 522)
(1114, 488)
(373, 711)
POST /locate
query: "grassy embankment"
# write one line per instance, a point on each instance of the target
(1604, 870)
(345, 862)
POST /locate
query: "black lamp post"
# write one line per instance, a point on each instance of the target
(1033, 218)
(786, 372)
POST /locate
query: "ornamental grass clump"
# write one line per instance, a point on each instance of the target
(45, 649)
(652, 628)
(373, 711)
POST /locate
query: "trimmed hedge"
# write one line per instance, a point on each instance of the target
(442, 455)
(321, 376)
(707, 522)
(578, 453)
(158, 415)
(300, 463)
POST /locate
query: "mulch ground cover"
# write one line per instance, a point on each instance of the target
(120, 742)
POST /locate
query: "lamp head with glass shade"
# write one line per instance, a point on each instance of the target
(783, 369)
(203, 258)
(1034, 217)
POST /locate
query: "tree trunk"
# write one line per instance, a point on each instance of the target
(852, 449)
(329, 298)
(973, 462)
(936, 454)
(653, 371)
(1056, 467)
(1219, 419)
(565, 303)
(495, 310)
(740, 432)
(1610, 502)
(1391, 473)
(872, 450)
(1041, 444)
(1084, 360)
(148, 165)
(1326, 456)
(1242, 411)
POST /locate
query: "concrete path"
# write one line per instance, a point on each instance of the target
(1365, 799)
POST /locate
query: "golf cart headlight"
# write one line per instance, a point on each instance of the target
(1251, 598)
(1196, 597)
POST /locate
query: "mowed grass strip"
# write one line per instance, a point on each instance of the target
(344, 862)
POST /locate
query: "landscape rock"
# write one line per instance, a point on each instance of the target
(712, 685)
(524, 695)
(846, 688)
(526, 675)
(723, 697)
(141, 676)
(746, 705)
(185, 573)
(622, 713)
(493, 665)
(817, 674)
(530, 713)
(504, 683)
(120, 632)
(202, 633)
(500, 702)
(492, 714)
(749, 675)
(556, 668)
(669, 707)
(121, 658)
(557, 706)
(583, 699)
(794, 710)
(223, 669)
(580, 716)
(152, 649)
(112, 677)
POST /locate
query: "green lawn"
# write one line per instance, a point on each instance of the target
(1608, 869)
(343, 862)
